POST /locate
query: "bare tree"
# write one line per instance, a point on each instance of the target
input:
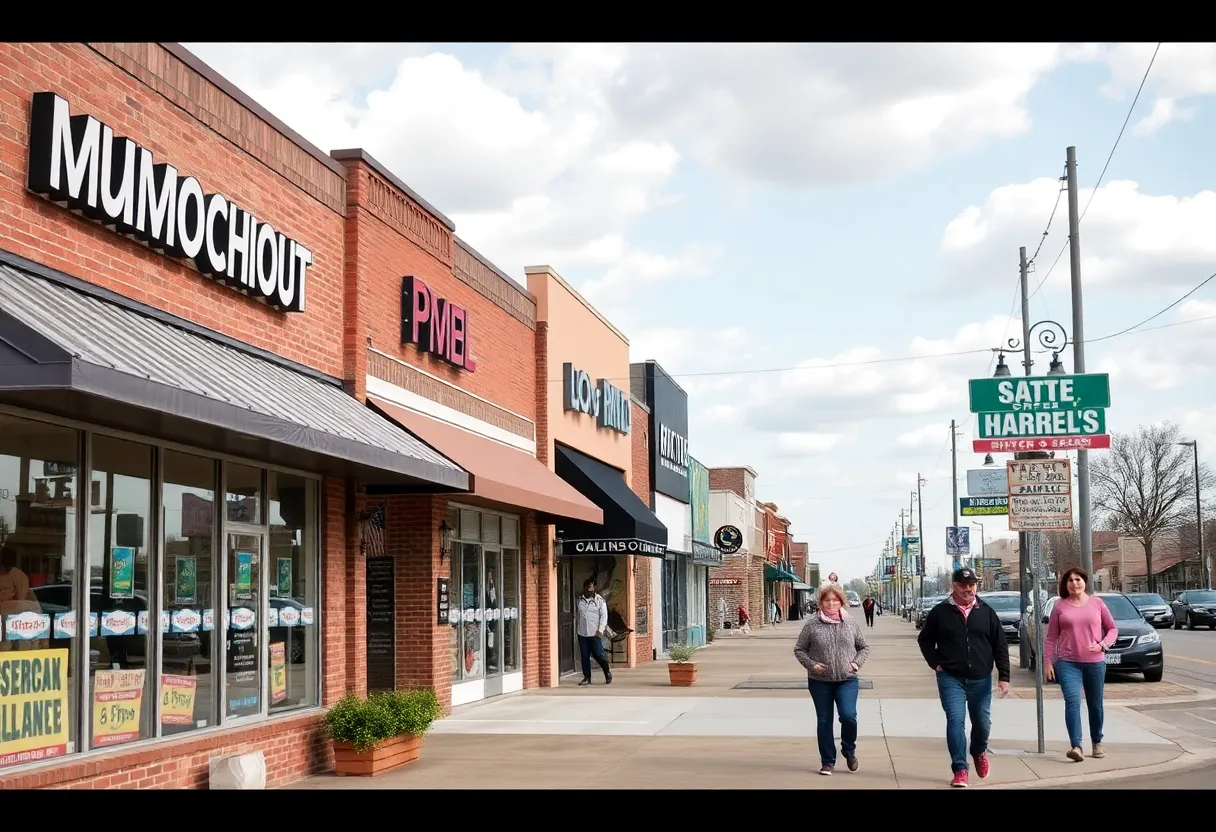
(1145, 484)
(1063, 551)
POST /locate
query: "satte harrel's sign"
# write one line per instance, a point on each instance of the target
(77, 161)
(1040, 413)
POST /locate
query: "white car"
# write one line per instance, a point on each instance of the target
(854, 598)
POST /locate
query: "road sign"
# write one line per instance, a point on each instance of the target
(986, 482)
(1090, 391)
(992, 563)
(1054, 443)
(1044, 424)
(983, 506)
(1040, 495)
(958, 540)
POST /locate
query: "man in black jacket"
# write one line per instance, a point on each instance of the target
(961, 640)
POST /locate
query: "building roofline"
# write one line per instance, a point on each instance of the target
(358, 154)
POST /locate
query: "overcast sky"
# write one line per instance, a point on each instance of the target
(763, 219)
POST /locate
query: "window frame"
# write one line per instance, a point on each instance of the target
(81, 586)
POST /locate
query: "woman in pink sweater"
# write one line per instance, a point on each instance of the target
(1079, 633)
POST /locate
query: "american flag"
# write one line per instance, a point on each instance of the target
(371, 531)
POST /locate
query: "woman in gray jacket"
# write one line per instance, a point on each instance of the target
(832, 649)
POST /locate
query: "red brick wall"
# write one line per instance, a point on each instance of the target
(382, 251)
(545, 608)
(643, 646)
(728, 479)
(148, 95)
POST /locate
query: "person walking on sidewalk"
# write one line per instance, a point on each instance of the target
(961, 640)
(592, 621)
(832, 649)
(868, 606)
(1079, 633)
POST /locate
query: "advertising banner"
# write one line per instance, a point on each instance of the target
(33, 706)
(117, 698)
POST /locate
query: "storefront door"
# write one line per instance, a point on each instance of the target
(492, 581)
(243, 681)
(565, 617)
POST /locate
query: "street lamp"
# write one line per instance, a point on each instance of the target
(1002, 369)
(1205, 563)
(1057, 367)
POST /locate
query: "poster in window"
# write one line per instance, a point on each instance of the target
(117, 698)
(186, 586)
(278, 672)
(284, 574)
(33, 706)
(122, 572)
(177, 699)
(244, 576)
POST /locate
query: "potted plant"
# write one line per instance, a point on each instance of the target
(682, 670)
(381, 732)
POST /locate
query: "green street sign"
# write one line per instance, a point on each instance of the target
(1044, 423)
(1039, 393)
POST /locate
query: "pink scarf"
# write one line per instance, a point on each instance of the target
(823, 616)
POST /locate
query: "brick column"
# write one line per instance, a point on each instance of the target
(333, 589)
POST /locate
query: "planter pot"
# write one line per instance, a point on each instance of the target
(381, 757)
(682, 674)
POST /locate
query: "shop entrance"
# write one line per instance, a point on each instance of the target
(492, 581)
(565, 617)
(243, 680)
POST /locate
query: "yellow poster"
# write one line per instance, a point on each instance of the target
(278, 672)
(117, 697)
(33, 706)
(177, 699)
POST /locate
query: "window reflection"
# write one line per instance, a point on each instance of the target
(119, 553)
(292, 635)
(188, 681)
(455, 603)
(244, 500)
(510, 603)
(39, 611)
(471, 611)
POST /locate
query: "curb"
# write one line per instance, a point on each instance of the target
(1185, 760)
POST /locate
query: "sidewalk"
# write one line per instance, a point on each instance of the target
(749, 723)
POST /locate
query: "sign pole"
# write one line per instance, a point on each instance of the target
(1036, 560)
(1078, 358)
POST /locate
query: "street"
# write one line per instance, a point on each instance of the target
(1190, 656)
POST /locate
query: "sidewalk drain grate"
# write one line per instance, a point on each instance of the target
(788, 684)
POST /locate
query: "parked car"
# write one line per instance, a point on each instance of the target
(1137, 649)
(1008, 607)
(923, 605)
(1195, 607)
(854, 598)
(1155, 609)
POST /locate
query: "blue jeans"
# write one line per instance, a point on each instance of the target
(961, 697)
(591, 646)
(1075, 677)
(843, 695)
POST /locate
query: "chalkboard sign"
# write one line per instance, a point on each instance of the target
(442, 601)
(381, 620)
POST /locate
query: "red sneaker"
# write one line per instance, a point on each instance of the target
(960, 780)
(981, 765)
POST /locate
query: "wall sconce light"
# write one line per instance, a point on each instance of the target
(538, 552)
(557, 551)
(446, 533)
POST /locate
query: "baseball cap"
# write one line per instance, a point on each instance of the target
(963, 576)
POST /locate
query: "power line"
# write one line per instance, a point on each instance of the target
(1162, 312)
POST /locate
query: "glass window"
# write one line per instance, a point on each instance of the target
(244, 494)
(242, 670)
(120, 690)
(38, 603)
(492, 616)
(455, 600)
(188, 694)
(292, 639)
(471, 611)
(510, 613)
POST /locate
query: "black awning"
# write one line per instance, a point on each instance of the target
(629, 527)
(68, 352)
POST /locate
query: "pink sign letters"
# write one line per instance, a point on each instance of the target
(434, 325)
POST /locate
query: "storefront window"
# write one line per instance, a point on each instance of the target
(455, 602)
(292, 647)
(120, 690)
(188, 694)
(510, 602)
(471, 610)
(39, 607)
(244, 494)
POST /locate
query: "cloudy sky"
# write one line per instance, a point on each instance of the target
(819, 242)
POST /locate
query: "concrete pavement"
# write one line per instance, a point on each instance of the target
(749, 723)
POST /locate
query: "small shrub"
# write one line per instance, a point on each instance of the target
(382, 716)
(681, 653)
(710, 632)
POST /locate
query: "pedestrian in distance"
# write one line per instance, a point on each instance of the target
(832, 649)
(961, 640)
(745, 625)
(592, 622)
(868, 606)
(1079, 632)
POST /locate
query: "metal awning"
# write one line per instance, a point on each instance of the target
(778, 574)
(69, 352)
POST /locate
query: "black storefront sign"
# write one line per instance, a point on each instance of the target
(78, 161)
(612, 547)
(381, 621)
(668, 429)
(703, 554)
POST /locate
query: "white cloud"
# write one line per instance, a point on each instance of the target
(1180, 71)
(807, 444)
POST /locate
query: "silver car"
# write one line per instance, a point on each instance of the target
(1155, 609)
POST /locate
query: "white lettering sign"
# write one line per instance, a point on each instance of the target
(673, 450)
(1037, 394)
(77, 161)
(607, 403)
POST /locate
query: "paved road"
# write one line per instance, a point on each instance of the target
(1200, 778)
(1190, 656)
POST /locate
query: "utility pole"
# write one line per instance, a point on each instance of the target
(1027, 363)
(903, 556)
(954, 471)
(1078, 358)
(920, 521)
